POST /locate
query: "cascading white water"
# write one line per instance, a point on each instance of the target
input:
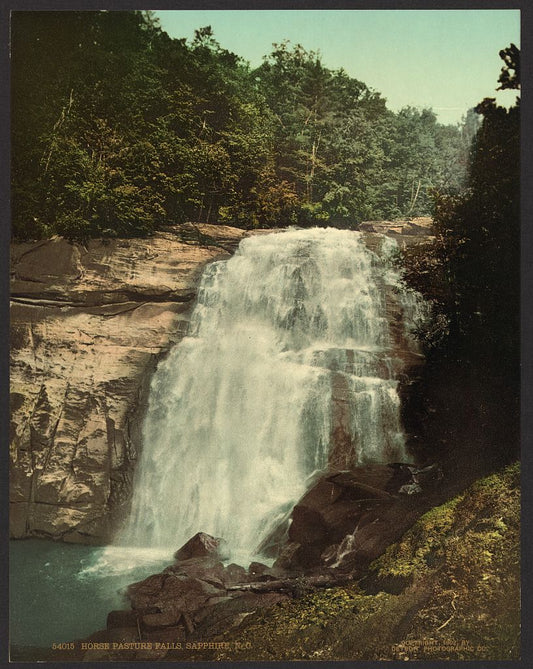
(240, 412)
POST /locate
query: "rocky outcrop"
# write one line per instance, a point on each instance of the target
(348, 518)
(201, 545)
(88, 324)
(405, 232)
(341, 525)
(194, 598)
(449, 590)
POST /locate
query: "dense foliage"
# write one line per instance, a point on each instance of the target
(118, 129)
(471, 270)
(471, 274)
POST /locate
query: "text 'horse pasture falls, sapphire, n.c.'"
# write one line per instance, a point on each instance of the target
(241, 411)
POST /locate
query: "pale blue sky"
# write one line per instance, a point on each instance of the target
(444, 59)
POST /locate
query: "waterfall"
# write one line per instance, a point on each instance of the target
(240, 412)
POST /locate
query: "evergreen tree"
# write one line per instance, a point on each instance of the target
(471, 272)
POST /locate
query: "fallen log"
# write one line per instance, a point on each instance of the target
(290, 584)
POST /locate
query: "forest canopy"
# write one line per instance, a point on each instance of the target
(117, 129)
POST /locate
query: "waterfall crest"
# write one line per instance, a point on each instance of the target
(240, 412)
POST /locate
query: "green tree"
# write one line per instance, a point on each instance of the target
(119, 129)
(84, 92)
(472, 270)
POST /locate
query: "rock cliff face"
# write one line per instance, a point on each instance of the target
(89, 323)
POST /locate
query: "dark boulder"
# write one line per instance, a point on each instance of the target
(170, 594)
(258, 571)
(385, 526)
(198, 596)
(201, 545)
(234, 573)
(207, 568)
(348, 518)
(319, 516)
(371, 478)
(298, 558)
(142, 594)
(287, 557)
(336, 504)
(271, 544)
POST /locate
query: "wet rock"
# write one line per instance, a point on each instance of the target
(201, 545)
(370, 480)
(206, 568)
(144, 594)
(410, 489)
(167, 593)
(287, 557)
(261, 572)
(331, 553)
(234, 573)
(386, 526)
(337, 503)
(348, 518)
(199, 597)
(271, 545)
(257, 569)
(428, 475)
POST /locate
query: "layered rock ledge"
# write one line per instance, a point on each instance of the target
(88, 324)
